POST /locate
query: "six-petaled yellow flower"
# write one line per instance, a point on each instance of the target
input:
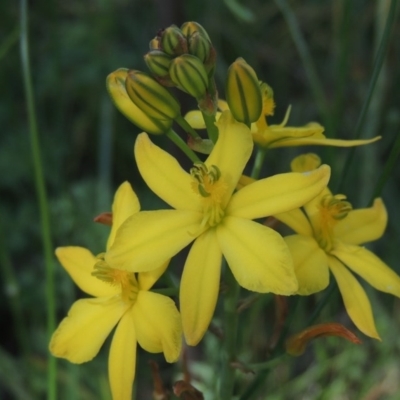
(274, 136)
(122, 298)
(329, 237)
(208, 211)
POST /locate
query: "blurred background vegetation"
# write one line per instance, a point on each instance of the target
(86, 150)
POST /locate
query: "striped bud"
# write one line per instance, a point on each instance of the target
(243, 92)
(158, 62)
(189, 28)
(152, 98)
(199, 46)
(189, 74)
(116, 88)
(173, 42)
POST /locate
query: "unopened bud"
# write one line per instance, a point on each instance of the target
(158, 62)
(189, 74)
(155, 43)
(116, 88)
(152, 98)
(173, 42)
(243, 92)
(189, 28)
(199, 46)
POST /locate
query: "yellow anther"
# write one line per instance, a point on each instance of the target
(205, 178)
(116, 277)
(332, 210)
(208, 184)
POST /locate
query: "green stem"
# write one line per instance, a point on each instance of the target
(321, 303)
(390, 164)
(263, 369)
(183, 146)
(342, 59)
(41, 195)
(212, 129)
(187, 128)
(301, 45)
(258, 162)
(379, 59)
(230, 335)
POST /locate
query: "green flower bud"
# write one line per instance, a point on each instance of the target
(189, 28)
(189, 74)
(116, 88)
(158, 62)
(173, 42)
(152, 98)
(199, 46)
(243, 92)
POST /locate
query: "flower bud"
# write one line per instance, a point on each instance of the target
(116, 88)
(189, 74)
(199, 46)
(243, 92)
(158, 62)
(152, 98)
(173, 42)
(155, 43)
(189, 28)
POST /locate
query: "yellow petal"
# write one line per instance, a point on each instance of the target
(321, 141)
(79, 263)
(223, 105)
(165, 176)
(80, 335)
(148, 279)
(275, 135)
(362, 225)
(145, 240)
(122, 359)
(296, 220)
(158, 324)
(310, 264)
(125, 204)
(257, 255)
(231, 152)
(199, 286)
(196, 120)
(278, 194)
(355, 300)
(369, 267)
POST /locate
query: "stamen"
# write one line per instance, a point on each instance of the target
(116, 277)
(332, 210)
(208, 184)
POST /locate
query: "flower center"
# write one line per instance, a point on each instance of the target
(207, 183)
(332, 209)
(116, 277)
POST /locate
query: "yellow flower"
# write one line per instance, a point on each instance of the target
(122, 298)
(329, 235)
(273, 136)
(220, 221)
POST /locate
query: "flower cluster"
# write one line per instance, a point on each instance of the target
(216, 210)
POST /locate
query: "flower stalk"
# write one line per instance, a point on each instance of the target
(41, 196)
